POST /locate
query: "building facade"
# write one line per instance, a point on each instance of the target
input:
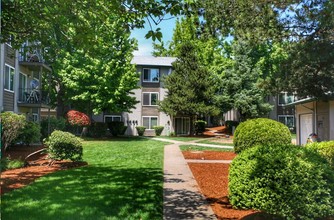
(22, 73)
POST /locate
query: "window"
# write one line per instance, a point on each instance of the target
(110, 118)
(288, 120)
(151, 75)
(9, 78)
(149, 122)
(285, 98)
(150, 98)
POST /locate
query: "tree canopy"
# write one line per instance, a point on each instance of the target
(88, 45)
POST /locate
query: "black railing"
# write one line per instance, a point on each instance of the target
(31, 53)
(33, 96)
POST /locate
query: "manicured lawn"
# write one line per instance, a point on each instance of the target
(211, 141)
(199, 148)
(185, 139)
(123, 180)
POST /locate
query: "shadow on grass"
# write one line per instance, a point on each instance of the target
(90, 192)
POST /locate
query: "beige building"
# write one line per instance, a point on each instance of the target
(21, 80)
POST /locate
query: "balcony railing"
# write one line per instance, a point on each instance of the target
(32, 53)
(33, 96)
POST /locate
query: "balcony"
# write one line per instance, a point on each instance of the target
(31, 55)
(33, 98)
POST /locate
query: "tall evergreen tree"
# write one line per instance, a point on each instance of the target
(190, 88)
(240, 84)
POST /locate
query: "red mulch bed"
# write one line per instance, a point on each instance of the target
(212, 179)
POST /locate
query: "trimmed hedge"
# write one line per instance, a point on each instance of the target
(230, 124)
(141, 130)
(117, 128)
(325, 149)
(158, 130)
(285, 180)
(97, 129)
(64, 145)
(30, 133)
(55, 124)
(200, 126)
(260, 131)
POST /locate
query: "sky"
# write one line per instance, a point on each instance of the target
(145, 47)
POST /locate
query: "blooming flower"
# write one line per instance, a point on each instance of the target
(77, 118)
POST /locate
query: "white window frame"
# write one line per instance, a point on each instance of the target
(150, 98)
(150, 127)
(286, 116)
(9, 78)
(112, 117)
(285, 97)
(151, 80)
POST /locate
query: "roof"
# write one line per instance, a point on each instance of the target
(301, 101)
(153, 61)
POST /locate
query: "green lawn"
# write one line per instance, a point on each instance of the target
(211, 141)
(124, 180)
(200, 148)
(185, 139)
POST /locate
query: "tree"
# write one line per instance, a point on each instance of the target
(240, 85)
(88, 46)
(303, 27)
(190, 88)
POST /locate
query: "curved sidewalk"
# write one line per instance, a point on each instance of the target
(182, 196)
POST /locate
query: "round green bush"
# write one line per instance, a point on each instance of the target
(285, 180)
(30, 133)
(325, 149)
(97, 129)
(117, 128)
(64, 145)
(260, 131)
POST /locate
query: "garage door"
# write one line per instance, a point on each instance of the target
(306, 127)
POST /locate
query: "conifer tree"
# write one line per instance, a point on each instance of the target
(190, 88)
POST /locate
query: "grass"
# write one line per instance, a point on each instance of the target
(185, 139)
(124, 180)
(199, 148)
(211, 141)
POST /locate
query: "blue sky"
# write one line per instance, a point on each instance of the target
(145, 45)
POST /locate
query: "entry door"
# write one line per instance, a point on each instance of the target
(305, 127)
(182, 126)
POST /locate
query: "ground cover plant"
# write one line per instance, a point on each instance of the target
(123, 180)
(214, 142)
(200, 148)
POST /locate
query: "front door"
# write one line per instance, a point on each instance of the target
(306, 127)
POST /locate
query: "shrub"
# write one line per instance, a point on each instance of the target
(141, 130)
(200, 126)
(158, 130)
(30, 133)
(230, 124)
(64, 145)
(325, 149)
(6, 163)
(260, 131)
(286, 180)
(77, 118)
(117, 128)
(11, 124)
(55, 124)
(97, 129)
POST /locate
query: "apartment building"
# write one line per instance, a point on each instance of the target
(22, 73)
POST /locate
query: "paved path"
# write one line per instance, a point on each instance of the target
(182, 196)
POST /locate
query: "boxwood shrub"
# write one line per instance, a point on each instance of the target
(29, 133)
(117, 128)
(97, 129)
(141, 130)
(63, 145)
(285, 180)
(200, 126)
(260, 131)
(158, 130)
(325, 149)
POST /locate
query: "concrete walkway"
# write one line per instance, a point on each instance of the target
(182, 196)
